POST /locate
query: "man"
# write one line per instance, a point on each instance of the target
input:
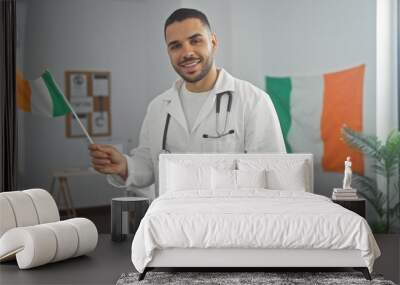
(208, 110)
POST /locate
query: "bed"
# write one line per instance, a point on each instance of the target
(245, 211)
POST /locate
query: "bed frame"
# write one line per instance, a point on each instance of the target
(249, 259)
(245, 259)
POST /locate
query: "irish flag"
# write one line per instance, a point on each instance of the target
(41, 96)
(313, 109)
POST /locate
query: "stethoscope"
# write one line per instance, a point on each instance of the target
(217, 110)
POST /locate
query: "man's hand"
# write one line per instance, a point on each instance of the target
(108, 160)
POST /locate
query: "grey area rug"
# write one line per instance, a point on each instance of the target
(231, 278)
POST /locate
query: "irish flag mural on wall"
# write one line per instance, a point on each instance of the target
(312, 110)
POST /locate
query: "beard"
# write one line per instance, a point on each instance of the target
(203, 72)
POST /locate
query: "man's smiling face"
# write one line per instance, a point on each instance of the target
(191, 48)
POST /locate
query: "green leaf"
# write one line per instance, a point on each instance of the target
(367, 188)
(394, 210)
(378, 168)
(379, 227)
(369, 145)
(397, 191)
(392, 149)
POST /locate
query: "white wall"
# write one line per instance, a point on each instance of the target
(256, 38)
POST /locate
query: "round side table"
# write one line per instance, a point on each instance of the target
(134, 207)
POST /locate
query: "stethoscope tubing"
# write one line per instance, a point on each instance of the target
(217, 110)
(164, 142)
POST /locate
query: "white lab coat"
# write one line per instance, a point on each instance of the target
(252, 117)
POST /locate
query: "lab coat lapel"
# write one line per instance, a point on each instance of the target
(175, 109)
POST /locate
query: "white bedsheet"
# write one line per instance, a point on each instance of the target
(250, 218)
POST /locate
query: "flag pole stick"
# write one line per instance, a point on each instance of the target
(79, 121)
(75, 115)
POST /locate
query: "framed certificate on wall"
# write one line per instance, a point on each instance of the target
(89, 93)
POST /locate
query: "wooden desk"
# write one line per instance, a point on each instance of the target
(64, 192)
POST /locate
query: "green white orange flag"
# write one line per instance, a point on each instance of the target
(313, 109)
(41, 96)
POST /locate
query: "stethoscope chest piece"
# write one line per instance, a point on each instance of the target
(224, 132)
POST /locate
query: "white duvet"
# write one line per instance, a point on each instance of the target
(250, 218)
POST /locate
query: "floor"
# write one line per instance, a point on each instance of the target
(102, 266)
(388, 263)
(111, 259)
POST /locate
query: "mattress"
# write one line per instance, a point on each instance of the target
(251, 219)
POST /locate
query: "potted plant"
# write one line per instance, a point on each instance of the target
(386, 156)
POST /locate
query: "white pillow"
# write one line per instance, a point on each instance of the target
(293, 180)
(236, 179)
(187, 177)
(223, 179)
(282, 174)
(251, 178)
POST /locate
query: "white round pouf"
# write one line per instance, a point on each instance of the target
(45, 205)
(7, 220)
(67, 240)
(23, 208)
